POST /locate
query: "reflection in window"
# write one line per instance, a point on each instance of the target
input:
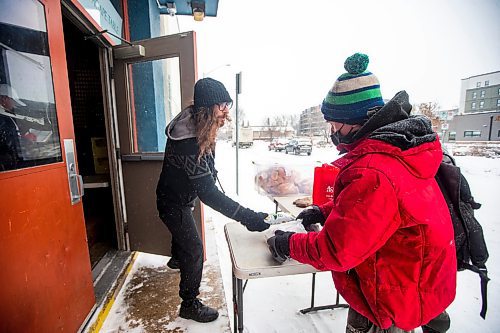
(473, 105)
(474, 94)
(452, 136)
(482, 93)
(156, 94)
(481, 104)
(28, 124)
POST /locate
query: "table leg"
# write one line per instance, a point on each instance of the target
(235, 305)
(239, 287)
(323, 307)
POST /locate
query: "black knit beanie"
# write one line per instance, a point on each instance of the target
(208, 92)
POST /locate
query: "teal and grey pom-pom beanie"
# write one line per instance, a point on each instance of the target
(353, 94)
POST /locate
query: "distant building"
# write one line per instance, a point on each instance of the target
(312, 123)
(478, 116)
(484, 126)
(480, 93)
(272, 132)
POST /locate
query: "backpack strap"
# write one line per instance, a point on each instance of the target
(483, 274)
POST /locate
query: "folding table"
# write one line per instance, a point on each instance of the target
(251, 259)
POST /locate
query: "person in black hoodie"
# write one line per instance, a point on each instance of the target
(189, 173)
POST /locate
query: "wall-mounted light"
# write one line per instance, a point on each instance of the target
(198, 8)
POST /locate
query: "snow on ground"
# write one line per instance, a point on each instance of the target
(273, 304)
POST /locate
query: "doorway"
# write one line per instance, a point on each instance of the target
(84, 74)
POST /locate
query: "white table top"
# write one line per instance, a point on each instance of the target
(286, 203)
(251, 258)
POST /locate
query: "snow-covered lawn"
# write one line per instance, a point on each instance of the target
(273, 304)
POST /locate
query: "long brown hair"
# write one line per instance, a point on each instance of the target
(206, 128)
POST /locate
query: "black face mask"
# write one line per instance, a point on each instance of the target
(338, 138)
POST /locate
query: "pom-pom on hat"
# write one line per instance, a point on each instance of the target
(208, 92)
(353, 94)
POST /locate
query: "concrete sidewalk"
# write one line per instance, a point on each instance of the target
(148, 300)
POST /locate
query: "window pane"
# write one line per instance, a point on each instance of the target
(156, 91)
(28, 124)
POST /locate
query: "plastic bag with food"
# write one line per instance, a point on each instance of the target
(279, 180)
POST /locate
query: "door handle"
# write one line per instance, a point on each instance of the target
(81, 190)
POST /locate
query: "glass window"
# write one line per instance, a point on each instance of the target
(498, 102)
(481, 104)
(482, 93)
(478, 84)
(486, 83)
(29, 133)
(474, 94)
(473, 105)
(452, 136)
(156, 91)
(472, 134)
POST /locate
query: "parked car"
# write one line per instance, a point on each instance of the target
(299, 146)
(280, 144)
(277, 144)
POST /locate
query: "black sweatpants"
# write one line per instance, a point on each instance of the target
(187, 247)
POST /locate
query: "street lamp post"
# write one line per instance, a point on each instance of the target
(238, 92)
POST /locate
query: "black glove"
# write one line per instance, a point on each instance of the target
(279, 245)
(311, 216)
(251, 220)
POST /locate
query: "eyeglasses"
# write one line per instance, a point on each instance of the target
(223, 106)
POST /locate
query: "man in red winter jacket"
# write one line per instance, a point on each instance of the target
(387, 235)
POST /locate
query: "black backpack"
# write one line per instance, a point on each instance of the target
(472, 253)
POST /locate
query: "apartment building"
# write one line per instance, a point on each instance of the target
(478, 116)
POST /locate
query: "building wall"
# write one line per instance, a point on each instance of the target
(480, 93)
(312, 123)
(477, 124)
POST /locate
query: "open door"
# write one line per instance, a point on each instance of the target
(154, 81)
(46, 281)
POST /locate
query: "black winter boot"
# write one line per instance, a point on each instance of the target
(173, 263)
(195, 310)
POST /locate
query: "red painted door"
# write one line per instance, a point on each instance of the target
(46, 282)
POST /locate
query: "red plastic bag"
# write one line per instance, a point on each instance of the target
(324, 179)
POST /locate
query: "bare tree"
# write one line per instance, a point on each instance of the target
(430, 110)
(241, 115)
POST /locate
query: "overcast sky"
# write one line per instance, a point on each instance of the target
(291, 52)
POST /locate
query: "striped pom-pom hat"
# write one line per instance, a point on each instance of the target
(353, 94)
